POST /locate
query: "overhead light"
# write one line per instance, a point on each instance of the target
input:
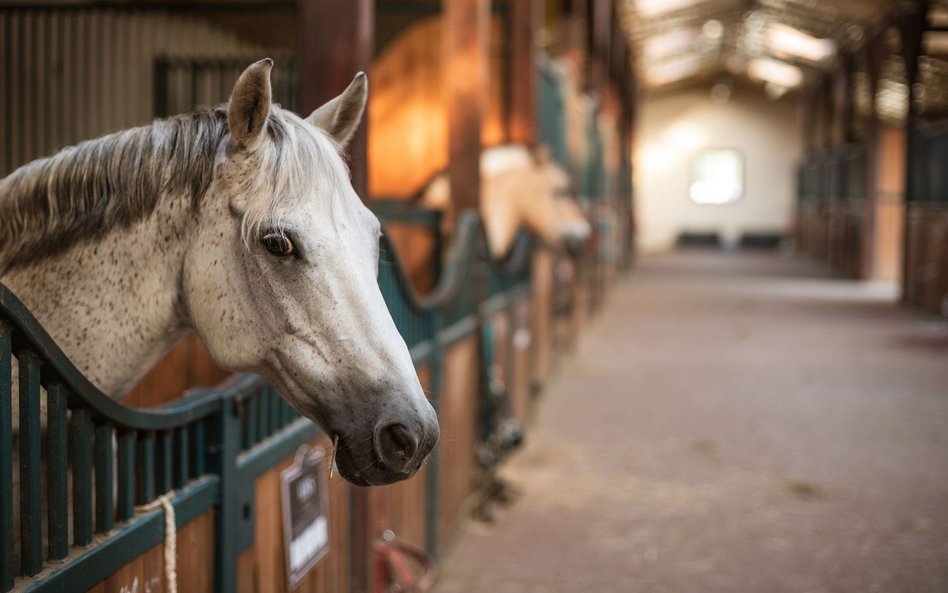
(652, 8)
(779, 73)
(673, 71)
(774, 91)
(721, 92)
(712, 29)
(667, 44)
(785, 41)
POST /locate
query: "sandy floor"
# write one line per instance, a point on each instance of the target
(732, 423)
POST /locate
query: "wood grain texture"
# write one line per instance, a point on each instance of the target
(541, 343)
(458, 415)
(187, 365)
(519, 383)
(416, 248)
(262, 568)
(195, 569)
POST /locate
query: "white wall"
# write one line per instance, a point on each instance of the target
(672, 128)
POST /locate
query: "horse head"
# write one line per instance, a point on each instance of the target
(282, 280)
(551, 210)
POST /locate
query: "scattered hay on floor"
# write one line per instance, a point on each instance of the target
(804, 490)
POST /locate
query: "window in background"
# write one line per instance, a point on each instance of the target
(717, 176)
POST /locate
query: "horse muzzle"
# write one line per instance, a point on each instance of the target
(398, 449)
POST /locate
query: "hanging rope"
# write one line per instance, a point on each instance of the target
(171, 537)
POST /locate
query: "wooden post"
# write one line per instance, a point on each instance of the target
(523, 75)
(597, 45)
(848, 72)
(873, 53)
(829, 113)
(809, 122)
(913, 29)
(338, 39)
(466, 37)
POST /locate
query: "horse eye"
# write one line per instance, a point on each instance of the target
(278, 244)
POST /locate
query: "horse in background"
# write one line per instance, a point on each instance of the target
(520, 188)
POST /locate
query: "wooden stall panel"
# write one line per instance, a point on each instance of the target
(541, 343)
(519, 383)
(262, 568)
(195, 564)
(187, 365)
(889, 205)
(913, 256)
(404, 505)
(417, 248)
(458, 415)
(581, 278)
(933, 271)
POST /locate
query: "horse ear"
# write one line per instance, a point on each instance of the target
(341, 116)
(250, 105)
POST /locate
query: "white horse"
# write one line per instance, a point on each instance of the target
(519, 189)
(239, 222)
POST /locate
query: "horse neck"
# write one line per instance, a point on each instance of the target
(113, 303)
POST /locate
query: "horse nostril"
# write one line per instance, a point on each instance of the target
(396, 445)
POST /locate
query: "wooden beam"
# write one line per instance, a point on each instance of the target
(524, 21)
(337, 38)
(466, 37)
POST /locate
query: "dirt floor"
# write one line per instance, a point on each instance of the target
(732, 423)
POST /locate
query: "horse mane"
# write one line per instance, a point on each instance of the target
(86, 190)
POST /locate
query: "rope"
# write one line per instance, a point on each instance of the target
(171, 537)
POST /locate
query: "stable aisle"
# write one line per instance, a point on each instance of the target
(732, 423)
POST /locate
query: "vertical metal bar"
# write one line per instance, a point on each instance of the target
(7, 570)
(126, 475)
(145, 468)
(250, 422)
(228, 518)
(284, 412)
(81, 452)
(275, 400)
(165, 461)
(200, 449)
(181, 469)
(103, 478)
(263, 413)
(57, 466)
(31, 527)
